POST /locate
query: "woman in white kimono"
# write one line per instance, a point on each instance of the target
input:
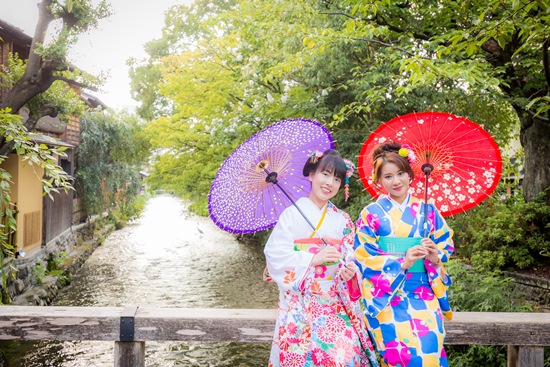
(319, 322)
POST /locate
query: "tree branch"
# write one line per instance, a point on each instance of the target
(546, 65)
(343, 14)
(45, 17)
(380, 21)
(538, 117)
(384, 44)
(74, 83)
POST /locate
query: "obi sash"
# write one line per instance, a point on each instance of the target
(398, 246)
(314, 245)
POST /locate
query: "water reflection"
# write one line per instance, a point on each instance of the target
(162, 260)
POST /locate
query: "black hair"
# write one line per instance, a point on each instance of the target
(331, 161)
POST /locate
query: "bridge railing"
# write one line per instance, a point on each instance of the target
(525, 334)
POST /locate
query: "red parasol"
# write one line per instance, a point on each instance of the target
(457, 160)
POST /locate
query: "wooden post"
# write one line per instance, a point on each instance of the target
(522, 356)
(129, 354)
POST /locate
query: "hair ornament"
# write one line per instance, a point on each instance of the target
(407, 152)
(315, 156)
(350, 168)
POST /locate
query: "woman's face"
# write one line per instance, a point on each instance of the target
(395, 181)
(324, 186)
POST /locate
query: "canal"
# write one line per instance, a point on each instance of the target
(166, 258)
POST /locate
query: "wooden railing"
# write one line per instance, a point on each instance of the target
(525, 334)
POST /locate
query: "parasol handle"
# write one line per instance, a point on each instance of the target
(427, 168)
(272, 178)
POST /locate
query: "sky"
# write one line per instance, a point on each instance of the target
(119, 37)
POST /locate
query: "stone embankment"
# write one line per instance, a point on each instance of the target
(33, 285)
(536, 289)
(45, 270)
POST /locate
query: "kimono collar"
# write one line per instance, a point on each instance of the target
(403, 205)
(324, 208)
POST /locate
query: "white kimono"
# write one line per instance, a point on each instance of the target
(318, 322)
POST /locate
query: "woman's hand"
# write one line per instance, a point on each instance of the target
(347, 272)
(413, 254)
(327, 255)
(431, 247)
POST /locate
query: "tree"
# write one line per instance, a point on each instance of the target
(111, 152)
(43, 84)
(48, 63)
(239, 71)
(496, 50)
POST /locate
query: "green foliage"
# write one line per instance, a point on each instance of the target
(77, 17)
(477, 291)
(497, 234)
(56, 262)
(60, 95)
(221, 81)
(474, 291)
(39, 272)
(51, 73)
(109, 158)
(127, 211)
(54, 179)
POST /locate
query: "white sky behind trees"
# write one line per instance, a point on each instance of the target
(119, 37)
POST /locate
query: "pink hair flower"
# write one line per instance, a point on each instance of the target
(315, 156)
(407, 152)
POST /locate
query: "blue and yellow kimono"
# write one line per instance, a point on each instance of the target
(404, 309)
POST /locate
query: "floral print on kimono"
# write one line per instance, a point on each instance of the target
(318, 323)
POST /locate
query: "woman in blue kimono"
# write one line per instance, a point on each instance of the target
(404, 284)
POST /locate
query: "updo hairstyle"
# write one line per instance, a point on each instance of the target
(331, 161)
(388, 153)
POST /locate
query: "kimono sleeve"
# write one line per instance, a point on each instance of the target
(441, 234)
(352, 285)
(440, 281)
(382, 273)
(287, 267)
(348, 238)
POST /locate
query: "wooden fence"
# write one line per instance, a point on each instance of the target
(57, 214)
(525, 334)
(79, 212)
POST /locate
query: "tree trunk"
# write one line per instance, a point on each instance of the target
(38, 76)
(536, 144)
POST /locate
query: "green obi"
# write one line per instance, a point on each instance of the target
(398, 246)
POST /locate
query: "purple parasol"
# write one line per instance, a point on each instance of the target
(263, 176)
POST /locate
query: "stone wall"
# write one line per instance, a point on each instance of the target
(66, 253)
(536, 289)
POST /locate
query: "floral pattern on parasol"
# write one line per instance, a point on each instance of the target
(466, 160)
(240, 198)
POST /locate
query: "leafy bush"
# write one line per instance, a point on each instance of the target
(498, 234)
(39, 273)
(477, 292)
(109, 157)
(474, 291)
